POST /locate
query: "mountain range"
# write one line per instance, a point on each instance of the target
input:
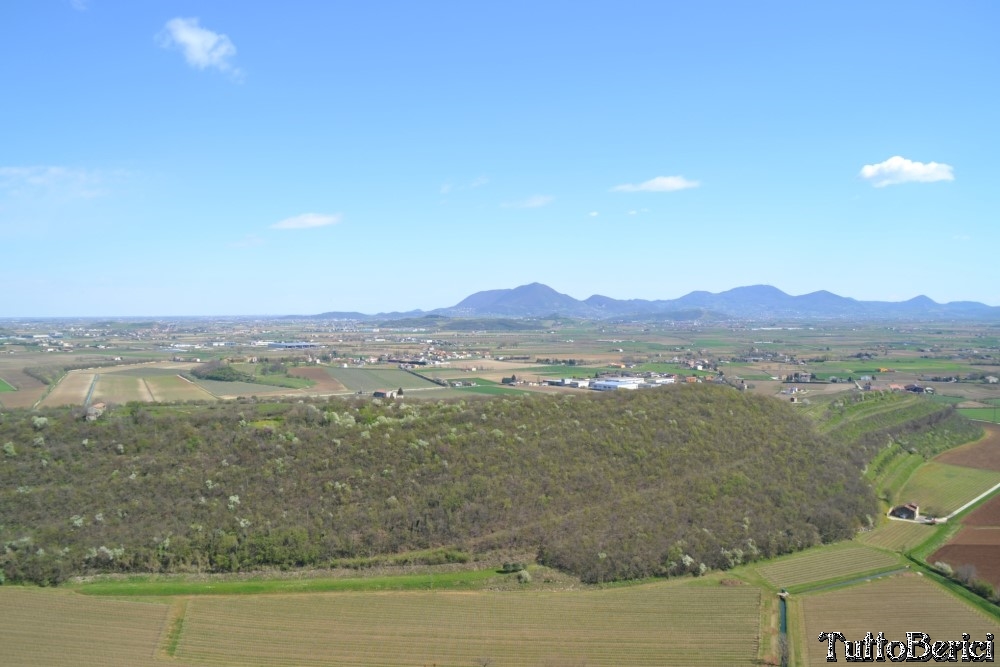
(756, 302)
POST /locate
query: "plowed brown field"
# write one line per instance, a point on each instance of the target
(983, 454)
(324, 383)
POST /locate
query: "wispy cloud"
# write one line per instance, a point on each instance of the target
(898, 170)
(658, 184)
(593, 214)
(479, 182)
(536, 201)
(202, 48)
(52, 181)
(79, 5)
(308, 221)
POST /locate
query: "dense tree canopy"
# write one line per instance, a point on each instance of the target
(619, 485)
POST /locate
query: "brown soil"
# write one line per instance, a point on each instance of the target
(984, 557)
(324, 382)
(987, 514)
(983, 454)
(976, 537)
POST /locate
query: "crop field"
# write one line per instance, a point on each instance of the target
(983, 454)
(237, 389)
(987, 514)
(71, 390)
(895, 606)
(670, 623)
(375, 379)
(323, 382)
(982, 414)
(53, 628)
(940, 488)
(4, 386)
(897, 535)
(658, 624)
(120, 389)
(168, 388)
(825, 563)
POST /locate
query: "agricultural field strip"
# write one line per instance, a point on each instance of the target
(121, 389)
(168, 388)
(644, 625)
(942, 488)
(53, 628)
(376, 379)
(894, 606)
(896, 535)
(71, 390)
(825, 564)
(5, 386)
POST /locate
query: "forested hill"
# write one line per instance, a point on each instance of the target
(608, 486)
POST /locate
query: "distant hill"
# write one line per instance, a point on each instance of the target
(754, 302)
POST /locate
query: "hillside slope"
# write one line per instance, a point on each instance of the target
(614, 486)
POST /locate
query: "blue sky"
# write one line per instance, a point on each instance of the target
(197, 158)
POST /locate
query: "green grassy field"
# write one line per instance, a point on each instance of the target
(371, 379)
(223, 389)
(167, 388)
(821, 564)
(4, 386)
(982, 414)
(940, 488)
(897, 535)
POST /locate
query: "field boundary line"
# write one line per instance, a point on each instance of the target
(173, 628)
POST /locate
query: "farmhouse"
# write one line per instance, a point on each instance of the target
(384, 394)
(909, 511)
(95, 411)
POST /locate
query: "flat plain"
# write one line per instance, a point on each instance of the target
(656, 624)
(895, 606)
(825, 563)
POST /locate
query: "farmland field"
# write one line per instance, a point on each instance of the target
(120, 389)
(940, 488)
(166, 388)
(658, 624)
(894, 606)
(669, 623)
(825, 563)
(323, 381)
(897, 535)
(71, 390)
(375, 379)
(982, 414)
(236, 389)
(983, 454)
(56, 628)
(4, 386)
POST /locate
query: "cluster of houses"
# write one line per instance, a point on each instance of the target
(613, 383)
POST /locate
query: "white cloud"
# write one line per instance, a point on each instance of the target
(658, 184)
(536, 201)
(52, 181)
(79, 5)
(446, 188)
(593, 214)
(479, 182)
(201, 47)
(898, 170)
(307, 221)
